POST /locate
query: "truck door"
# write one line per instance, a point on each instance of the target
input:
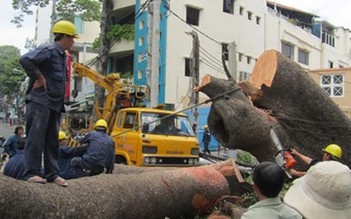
(130, 140)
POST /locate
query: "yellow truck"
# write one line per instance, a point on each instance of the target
(143, 136)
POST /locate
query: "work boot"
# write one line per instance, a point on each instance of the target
(60, 181)
(36, 179)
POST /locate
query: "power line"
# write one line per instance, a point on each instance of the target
(213, 67)
(211, 57)
(206, 61)
(196, 29)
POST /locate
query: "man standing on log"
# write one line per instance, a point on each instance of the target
(331, 152)
(268, 180)
(46, 66)
(206, 139)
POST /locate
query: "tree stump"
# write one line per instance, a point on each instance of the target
(280, 95)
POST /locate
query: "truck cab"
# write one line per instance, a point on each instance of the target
(154, 137)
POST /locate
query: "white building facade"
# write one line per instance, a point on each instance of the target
(254, 26)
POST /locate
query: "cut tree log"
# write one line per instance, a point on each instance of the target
(281, 96)
(152, 194)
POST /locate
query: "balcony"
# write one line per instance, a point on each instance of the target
(122, 47)
(120, 4)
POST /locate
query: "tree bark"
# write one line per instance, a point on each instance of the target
(283, 97)
(105, 44)
(152, 194)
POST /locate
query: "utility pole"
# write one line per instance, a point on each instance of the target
(195, 69)
(53, 19)
(152, 71)
(232, 60)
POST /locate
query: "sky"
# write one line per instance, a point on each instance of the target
(10, 34)
(336, 12)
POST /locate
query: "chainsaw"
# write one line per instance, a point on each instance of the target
(283, 157)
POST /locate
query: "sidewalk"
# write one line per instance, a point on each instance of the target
(6, 130)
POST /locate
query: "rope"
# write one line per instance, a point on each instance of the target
(180, 111)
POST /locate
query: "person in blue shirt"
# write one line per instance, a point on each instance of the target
(100, 154)
(10, 146)
(15, 166)
(47, 70)
(64, 159)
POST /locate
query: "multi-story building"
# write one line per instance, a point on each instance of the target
(249, 27)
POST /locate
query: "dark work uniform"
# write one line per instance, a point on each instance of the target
(15, 166)
(100, 153)
(43, 108)
(206, 139)
(64, 162)
(10, 146)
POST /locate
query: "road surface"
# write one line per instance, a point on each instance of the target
(6, 130)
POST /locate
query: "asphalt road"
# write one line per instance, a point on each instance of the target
(6, 130)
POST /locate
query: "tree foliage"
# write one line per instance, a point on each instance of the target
(117, 32)
(11, 72)
(88, 10)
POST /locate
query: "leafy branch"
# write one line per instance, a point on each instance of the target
(117, 32)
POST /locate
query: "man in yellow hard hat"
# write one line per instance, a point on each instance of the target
(47, 71)
(100, 154)
(331, 152)
(64, 159)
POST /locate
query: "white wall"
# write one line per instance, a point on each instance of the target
(223, 28)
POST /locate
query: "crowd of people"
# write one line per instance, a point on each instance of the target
(95, 155)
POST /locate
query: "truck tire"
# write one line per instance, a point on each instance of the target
(120, 160)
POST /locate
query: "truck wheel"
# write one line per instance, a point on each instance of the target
(121, 160)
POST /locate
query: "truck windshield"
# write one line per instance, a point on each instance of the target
(156, 123)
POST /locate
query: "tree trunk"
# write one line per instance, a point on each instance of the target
(284, 97)
(152, 194)
(103, 56)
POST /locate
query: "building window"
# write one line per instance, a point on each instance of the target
(258, 20)
(240, 57)
(241, 10)
(78, 23)
(288, 50)
(140, 74)
(225, 51)
(341, 66)
(187, 67)
(303, 57)
(248, 59)
(328, 39)
(244, 76)
(333, 85)
(228, 6)
(192, 16)
(330, 64)
(249, 15)
(141, 25)
(141, 41)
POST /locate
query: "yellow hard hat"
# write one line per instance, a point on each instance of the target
(100, 123)
(65, 27)
(62, 135)
(205, 126)
(334, 150)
